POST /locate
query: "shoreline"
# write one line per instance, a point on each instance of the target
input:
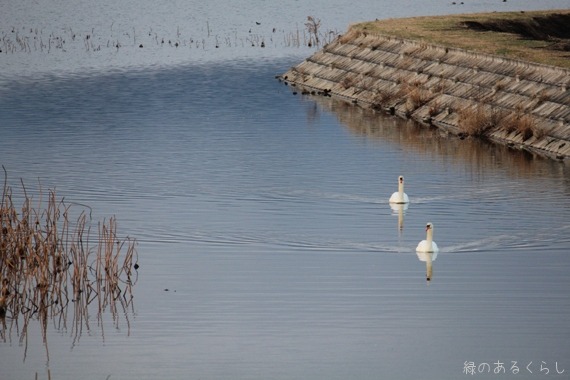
(468, 94)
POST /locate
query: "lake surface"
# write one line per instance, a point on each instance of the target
(266, 244)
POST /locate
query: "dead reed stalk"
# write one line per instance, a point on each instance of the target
(415, 94)
(523, 124)
(313, 25)
(479, 120)
(46, 259)
(383, 98)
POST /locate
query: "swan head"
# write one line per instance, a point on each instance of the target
(429, 227)
(400, 179)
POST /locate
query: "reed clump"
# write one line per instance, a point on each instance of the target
(479, 120)
(49, 259)
(522, 124)
(415, 94)
(348, 81)
(383, 98)
(23, 39)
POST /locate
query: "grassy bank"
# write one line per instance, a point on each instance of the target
(539, 36)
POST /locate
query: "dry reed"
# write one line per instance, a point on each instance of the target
(348, 81)
(48, 260)
(479, 120)
(523, 124)
(415, 93)
(17, 40)
(383, 98)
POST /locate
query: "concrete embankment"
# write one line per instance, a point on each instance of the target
(520, 104)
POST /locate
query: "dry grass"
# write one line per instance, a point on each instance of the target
(48, 261)
(523, 124)
(348, 81)
(383, 98)
(350, 35)
(417, 97)
(434, 108)
(450, 31)
(478, 121)
(415, 93)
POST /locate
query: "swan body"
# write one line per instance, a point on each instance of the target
(399, 196)
(427, 251)
(425, 246)
(428, 245)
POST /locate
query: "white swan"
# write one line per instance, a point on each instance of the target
(399, 196)
(428, 245)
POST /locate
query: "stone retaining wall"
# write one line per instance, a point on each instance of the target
(521, 104)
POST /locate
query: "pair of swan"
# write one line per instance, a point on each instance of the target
(427, 249)
(399, 197)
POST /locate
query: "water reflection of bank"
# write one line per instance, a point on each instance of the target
(476, 153)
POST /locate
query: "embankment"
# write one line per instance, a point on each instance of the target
(468, 94)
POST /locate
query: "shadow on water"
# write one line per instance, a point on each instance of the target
(53, 271)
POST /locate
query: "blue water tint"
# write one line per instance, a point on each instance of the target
(267, 247)
(76, 37)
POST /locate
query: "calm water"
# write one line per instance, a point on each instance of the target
(267, 246)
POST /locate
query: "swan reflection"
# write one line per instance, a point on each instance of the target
(399, 209)
(428, 258)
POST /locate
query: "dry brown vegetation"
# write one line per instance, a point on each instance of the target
(434, 108)
(523, 124)
(537, 36)
(348, 81)
(477, 121)
(50, 261)
(383, 98)
(350, 35)
(480, 120)
(416, 96)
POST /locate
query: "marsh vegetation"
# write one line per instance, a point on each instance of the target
(56, 267)
(31, 39)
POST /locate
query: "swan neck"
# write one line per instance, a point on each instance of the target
(429, 237)
(400, 188)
